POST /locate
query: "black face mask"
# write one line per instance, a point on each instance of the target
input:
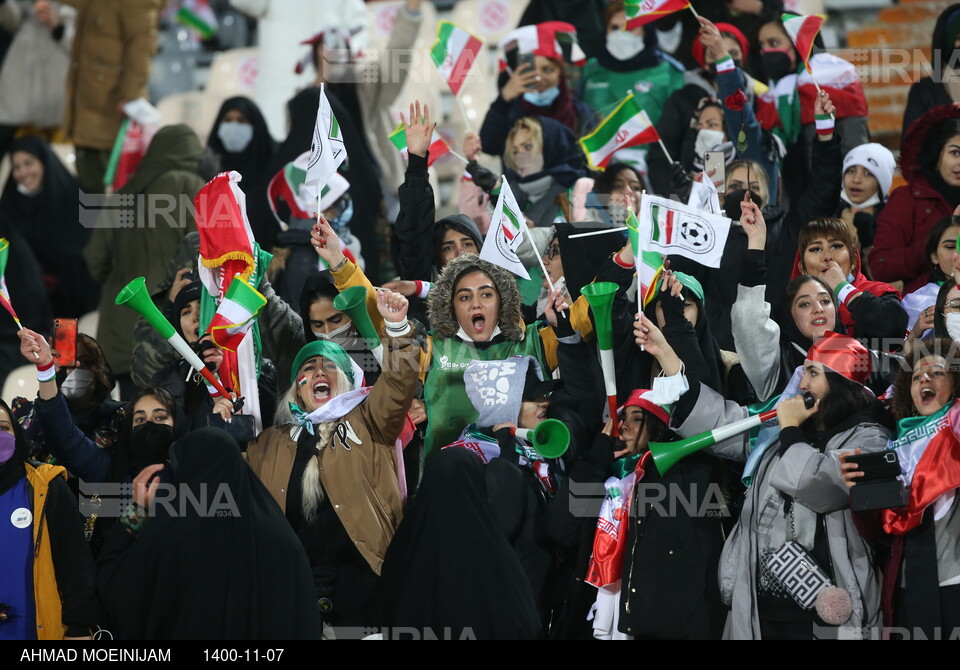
(732, 200)
(149, 444)
(776, 64)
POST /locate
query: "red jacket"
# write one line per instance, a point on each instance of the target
(899, 249)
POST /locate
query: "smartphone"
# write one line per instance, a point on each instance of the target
(526, 58)
(65, 341)
(877, 465)
(714, 161)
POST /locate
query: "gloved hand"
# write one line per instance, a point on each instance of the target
(680, 182)
(482, 177)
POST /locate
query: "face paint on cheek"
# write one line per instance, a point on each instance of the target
(302, 381)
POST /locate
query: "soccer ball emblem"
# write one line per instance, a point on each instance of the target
(695, 234)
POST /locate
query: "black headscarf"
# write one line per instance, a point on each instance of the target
(13, 471)
(48, 223)
(583, 256)
(235, 571)
(127, 460)
(794, 345)
(450, 568)
(358, 169)
(253, 161)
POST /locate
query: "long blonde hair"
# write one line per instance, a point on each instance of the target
(312, 492)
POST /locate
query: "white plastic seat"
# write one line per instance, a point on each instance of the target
(22, 382)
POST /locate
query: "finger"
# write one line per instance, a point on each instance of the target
(426, 115)
(403, 121)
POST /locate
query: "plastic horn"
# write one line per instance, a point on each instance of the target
(353, 303)
(551, 438)
(667, 454)
(135, 296)
(600, 296)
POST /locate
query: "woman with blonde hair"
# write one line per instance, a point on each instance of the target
(329, 461)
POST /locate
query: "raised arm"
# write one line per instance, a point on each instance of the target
(74, 450)
(386, 408)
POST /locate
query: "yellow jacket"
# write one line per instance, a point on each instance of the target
(46, 592)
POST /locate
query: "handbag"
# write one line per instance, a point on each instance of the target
(797, 571)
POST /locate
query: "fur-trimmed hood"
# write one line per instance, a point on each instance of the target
(440, 300)
(915, 141)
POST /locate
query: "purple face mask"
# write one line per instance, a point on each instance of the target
(8, 445)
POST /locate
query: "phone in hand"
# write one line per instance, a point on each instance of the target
(526, 58)
(715, 167)
(65, 341)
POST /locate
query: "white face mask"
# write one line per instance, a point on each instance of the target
(78, 384)
(624, 45)
(953, 326)
(334, 334)
(236, 137)
(706, 141)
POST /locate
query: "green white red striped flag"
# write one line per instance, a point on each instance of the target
(454, 53)
(803, 31)
(649, 263)
(675, 228)
(287, 185)
(198, 14)
(505, 234)
(438, 145)
(235, 314)
(627, 126)
(641, 12)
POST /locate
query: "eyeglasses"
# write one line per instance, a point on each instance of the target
(952, 307)
(552, 251)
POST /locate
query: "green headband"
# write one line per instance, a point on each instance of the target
(330, 351)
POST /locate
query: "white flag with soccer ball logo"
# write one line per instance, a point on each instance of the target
(673, 228)
(505, 234)
(327, 150)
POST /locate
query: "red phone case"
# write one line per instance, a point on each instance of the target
(65, 341)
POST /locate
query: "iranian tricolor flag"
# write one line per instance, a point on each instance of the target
(803, 30)
(454, 53)
(438, 145)
(198, 14)
(649, 264)
(4, 292)
(627, 126)
(675, 228)
(235, 314)
(641, 12)
(287, 185)
(839, 79)
(505, 234)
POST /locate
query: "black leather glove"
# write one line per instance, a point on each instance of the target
(680, 182)
(482, 177)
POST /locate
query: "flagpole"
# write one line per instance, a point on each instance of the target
(665, 152)
(819, 90)
(639, 254)
(599, 232)
(690, 7)
(456, 155)
(463, 113)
